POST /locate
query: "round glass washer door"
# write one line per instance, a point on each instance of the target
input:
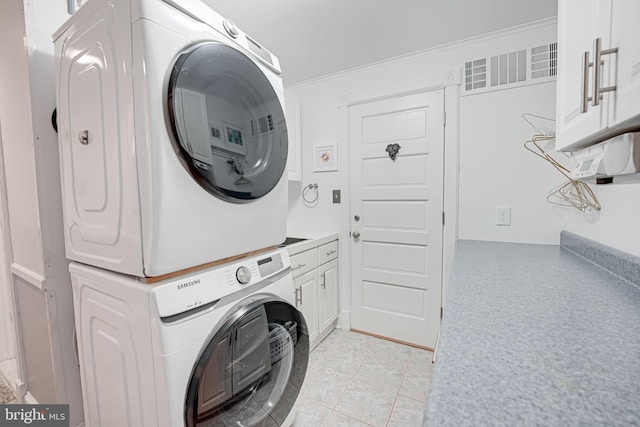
(251, 368)
(227, 122)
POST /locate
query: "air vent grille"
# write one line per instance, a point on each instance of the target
(514, 68)
(475, 74)
(263, 125)
(544, 61)
(509, 68)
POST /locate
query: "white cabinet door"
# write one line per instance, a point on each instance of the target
(625, 35)
(292, 113)
(328, 295)
(307, 301)
(580, 22)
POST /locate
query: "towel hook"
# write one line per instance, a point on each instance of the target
(314, 196)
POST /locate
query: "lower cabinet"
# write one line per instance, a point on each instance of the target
(315, 278)
(306, 288)
(328, 295)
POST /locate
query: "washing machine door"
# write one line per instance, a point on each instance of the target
(252, 367)
(227, 122)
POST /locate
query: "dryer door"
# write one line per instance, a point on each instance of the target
(227, 122)
(252, 367)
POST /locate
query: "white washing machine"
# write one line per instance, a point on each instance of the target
(224, 347)
(173, 140)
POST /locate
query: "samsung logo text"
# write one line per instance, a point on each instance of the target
(187, 284)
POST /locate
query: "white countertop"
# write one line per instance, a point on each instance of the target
(313, 241)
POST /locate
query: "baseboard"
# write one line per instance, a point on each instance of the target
(344, 320)
(29, 399)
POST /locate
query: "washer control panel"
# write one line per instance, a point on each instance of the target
(177, 295)
(270, 265)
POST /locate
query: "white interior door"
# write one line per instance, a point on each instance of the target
(396, 216)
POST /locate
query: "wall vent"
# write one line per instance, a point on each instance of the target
(475, 74)
(262, 125)
(509, 68)
(544, 61)
(515, 68)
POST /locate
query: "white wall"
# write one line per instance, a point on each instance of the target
(321, 121)
(618, 222)
(324, 117)
(8, 348)
(18, 142)
(39, 270)
(496, 169)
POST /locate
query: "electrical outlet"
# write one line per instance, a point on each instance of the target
(503, 215)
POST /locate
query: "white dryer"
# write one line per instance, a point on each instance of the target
(173, 140)
(225, 347)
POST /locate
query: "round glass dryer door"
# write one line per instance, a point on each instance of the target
(227, 122)
(251, 369)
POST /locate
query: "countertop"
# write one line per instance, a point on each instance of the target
(311, 241)
(538, 335)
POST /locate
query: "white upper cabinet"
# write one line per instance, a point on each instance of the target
(579, 24)
(292, 113)
(598, 71)
(625, 35)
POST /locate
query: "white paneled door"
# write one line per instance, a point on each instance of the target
(396, 216)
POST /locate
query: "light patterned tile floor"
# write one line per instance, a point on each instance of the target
(358, 380)
(6, 395)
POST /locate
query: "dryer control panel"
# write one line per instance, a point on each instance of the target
(177, 295)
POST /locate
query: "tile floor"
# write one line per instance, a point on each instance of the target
(6, 395)
(358, 380)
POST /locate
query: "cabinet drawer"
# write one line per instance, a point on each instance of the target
(327, 252)
(304, 262)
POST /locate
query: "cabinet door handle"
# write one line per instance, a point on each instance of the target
(598, 53)
(584, 101)
(298, 299)
(299, 266)
(331, 253)
(323, 284)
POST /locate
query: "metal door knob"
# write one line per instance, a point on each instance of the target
(83, 137)
(356, 234)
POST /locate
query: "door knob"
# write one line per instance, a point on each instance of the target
(355, 234)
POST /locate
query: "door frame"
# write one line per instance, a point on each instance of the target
(450, 83)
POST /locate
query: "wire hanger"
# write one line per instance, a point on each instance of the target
(571, 193)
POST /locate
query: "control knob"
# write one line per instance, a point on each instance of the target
(243, 275)
(231, 28)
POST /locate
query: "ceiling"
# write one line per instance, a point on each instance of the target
(313, 38)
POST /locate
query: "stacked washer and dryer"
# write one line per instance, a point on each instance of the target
(173, 150)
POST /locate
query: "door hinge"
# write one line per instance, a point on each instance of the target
(442, 218)
(440, 312)
(444, 119)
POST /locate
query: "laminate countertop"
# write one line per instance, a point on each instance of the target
(539, 335)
